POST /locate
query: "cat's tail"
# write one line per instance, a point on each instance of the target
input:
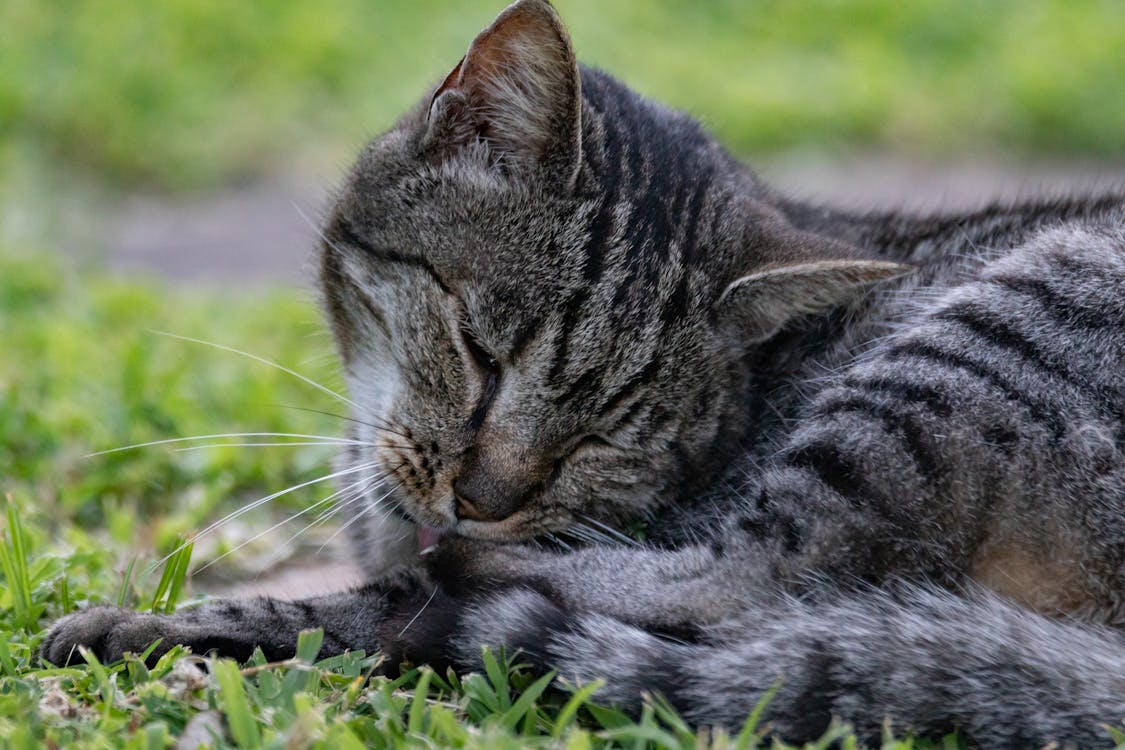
(928, 661)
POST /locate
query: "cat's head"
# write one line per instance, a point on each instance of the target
(544, 287)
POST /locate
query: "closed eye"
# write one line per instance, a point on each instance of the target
(484, 361)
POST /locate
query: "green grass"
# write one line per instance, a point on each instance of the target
(82, 373)
(188, 93)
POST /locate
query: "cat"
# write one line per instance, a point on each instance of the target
(876, 458)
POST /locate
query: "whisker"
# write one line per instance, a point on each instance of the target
(266, 445)
(559, 541)
(264, 361)
(334, 439)
(366, 485)
(623, 538)
(373, 426)
(258, 503)
(336, 507)
(419, 614)
(373, 506)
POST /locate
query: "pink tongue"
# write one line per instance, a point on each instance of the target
(427, 539)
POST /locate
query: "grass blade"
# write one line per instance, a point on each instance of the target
(243, 726)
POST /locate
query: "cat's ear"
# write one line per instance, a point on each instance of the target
(821, 274)
(517, 93)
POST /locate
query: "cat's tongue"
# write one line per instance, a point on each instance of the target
(428, 539)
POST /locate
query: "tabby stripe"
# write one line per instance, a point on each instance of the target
(834, 468)
(639, 379)
(691, 223)
(914, 439)
(1040, 411)
(915, 393)
(675, 306)
(594, 250)
(1061, 309)
(584, 384)
(1003, 336)
(524, 335)
(351, 237)
(572, 308)
(602, 226)
(630, 412)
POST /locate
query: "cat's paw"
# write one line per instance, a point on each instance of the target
(108, 632)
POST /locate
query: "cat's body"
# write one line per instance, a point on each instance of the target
(879, 457)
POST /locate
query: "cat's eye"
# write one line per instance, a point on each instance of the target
(481, 358)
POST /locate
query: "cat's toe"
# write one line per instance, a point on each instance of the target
(90, 628)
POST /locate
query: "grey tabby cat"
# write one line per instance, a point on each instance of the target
(879, 456)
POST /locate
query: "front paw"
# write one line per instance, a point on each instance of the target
(108, 632)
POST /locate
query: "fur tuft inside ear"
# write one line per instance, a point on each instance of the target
(756, 306)
(517, 92)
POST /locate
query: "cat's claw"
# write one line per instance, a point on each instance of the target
(108, 632)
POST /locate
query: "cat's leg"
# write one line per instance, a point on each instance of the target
(234, 628)
(1008, 677)
(673, 590)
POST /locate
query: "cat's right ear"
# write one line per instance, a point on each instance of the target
(516, 93)
(797, 274)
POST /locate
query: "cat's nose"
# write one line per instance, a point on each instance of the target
(482, 500)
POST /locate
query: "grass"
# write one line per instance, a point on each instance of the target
(83, 373)
(191, 93)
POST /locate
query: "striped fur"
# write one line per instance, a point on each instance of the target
(878, 457)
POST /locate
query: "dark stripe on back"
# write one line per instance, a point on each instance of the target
(1064, 311)
(914, 393)
(1003, 336)
(1040, 411)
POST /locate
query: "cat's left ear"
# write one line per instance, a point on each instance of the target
(809, 274)
(517, 93)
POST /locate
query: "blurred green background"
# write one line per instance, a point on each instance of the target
(103, 101)
(194, 93)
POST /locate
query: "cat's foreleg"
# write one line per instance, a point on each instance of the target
(668, 590)
(235, 627)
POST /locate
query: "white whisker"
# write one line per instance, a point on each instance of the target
(335, 440)
(384, 427)
(257, 445)
(610, 531)
(263, 360)
(366, 485)
(373, 506)
(339, 505)
(415, 617)
(258, 503)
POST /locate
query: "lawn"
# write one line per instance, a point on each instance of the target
(120, 96)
